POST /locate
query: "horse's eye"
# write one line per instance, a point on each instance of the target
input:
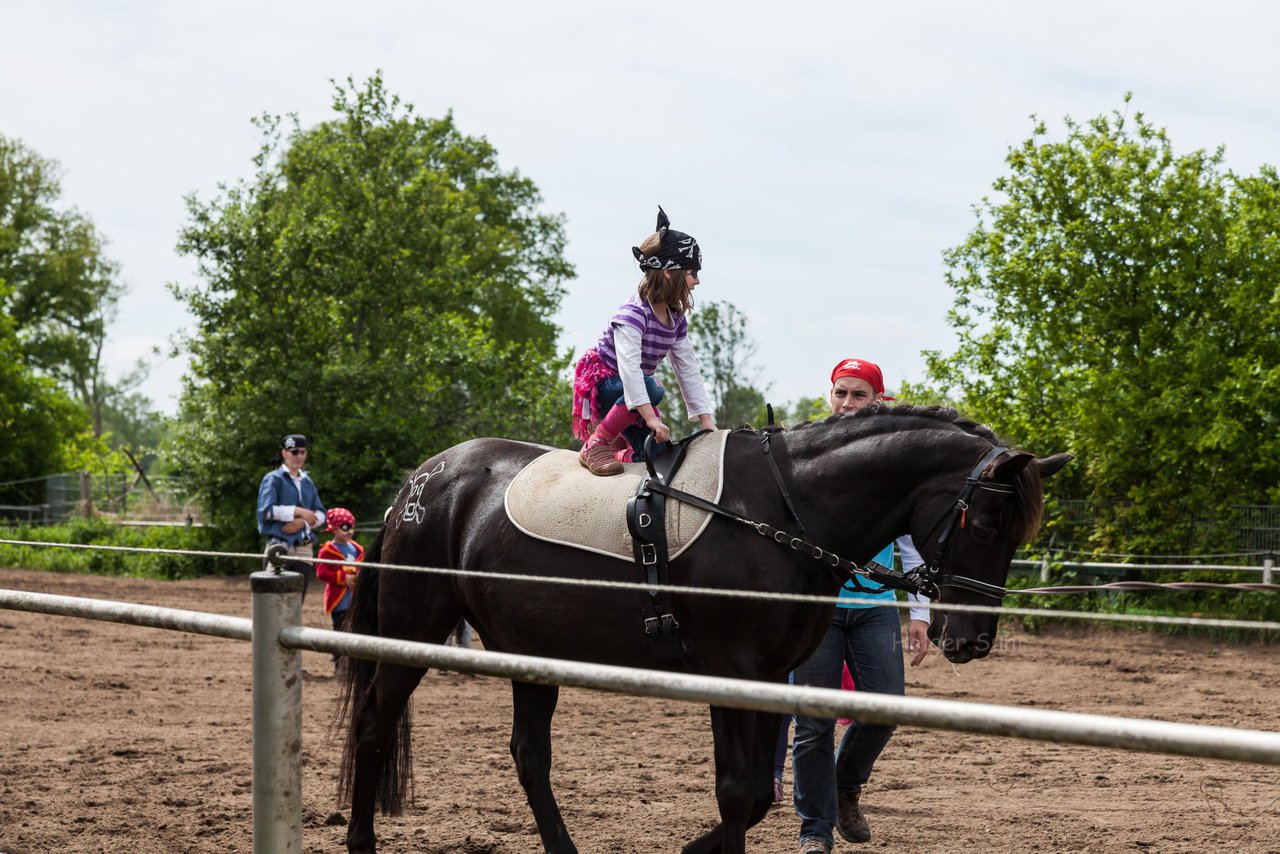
(982, 533)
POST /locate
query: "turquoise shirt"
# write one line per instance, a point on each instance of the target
(883, 594)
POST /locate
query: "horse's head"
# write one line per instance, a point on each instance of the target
(967, 501)
(972, 536)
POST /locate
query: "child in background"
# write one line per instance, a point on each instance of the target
(336, 566)
(614, 388)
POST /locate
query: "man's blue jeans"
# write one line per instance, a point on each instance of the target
(609, 394)
(870, 641)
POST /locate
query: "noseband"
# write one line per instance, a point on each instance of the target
(925, 580)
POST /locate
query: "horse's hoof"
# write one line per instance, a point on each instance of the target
(361, 846)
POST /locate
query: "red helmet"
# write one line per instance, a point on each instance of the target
(339, 516)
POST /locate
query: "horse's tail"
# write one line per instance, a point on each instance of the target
(357, 699)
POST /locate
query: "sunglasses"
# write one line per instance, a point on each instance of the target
(297, 452)
(344, 527)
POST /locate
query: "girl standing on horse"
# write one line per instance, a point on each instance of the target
(614, 389)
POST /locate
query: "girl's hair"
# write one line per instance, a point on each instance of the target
(668, 287)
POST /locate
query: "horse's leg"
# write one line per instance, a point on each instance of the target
(745, 743)
(380, 750)
(531, 748)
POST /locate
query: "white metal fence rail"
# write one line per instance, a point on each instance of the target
(277, 636)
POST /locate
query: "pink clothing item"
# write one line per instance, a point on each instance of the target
(616, 420)
(622, 450)
(846, 684)
(586, 378)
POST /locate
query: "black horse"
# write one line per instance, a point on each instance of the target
(857, 482)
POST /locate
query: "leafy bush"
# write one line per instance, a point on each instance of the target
(131, 564)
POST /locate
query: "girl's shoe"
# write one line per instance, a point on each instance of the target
(598, 458)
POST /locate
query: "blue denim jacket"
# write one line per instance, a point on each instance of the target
(278, 488)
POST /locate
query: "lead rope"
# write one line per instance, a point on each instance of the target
(840, 568)
(924, 580)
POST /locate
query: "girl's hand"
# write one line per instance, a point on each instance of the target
(705, 422)
(661, 432)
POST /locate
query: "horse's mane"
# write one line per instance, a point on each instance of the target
(1029, 498)
(944, 414)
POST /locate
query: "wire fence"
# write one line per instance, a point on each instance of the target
(1241, 528)
(56, 498)
(277, 637)
(1269, 626)
(1246, 530)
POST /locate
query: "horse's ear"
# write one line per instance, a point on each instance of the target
(1007, 467)
(1050, 466)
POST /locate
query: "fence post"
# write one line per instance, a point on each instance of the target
(86, 495)
(1044, 570)
(277, 715)
(1268, 567)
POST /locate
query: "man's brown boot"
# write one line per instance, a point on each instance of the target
(850, 821)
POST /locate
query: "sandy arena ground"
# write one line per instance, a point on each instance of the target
(123, 739)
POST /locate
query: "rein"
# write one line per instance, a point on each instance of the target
(924, 580)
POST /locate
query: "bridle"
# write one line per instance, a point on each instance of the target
(930, 572)
(925, 580)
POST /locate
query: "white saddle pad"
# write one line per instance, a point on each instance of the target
(556, 499)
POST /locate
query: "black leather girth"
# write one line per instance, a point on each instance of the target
(647, 522)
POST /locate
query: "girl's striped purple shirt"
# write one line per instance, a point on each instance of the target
(656, 339)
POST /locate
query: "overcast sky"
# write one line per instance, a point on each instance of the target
(824, 156)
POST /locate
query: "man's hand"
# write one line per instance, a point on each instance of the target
(305, 515)
(294, 526)
(918, 640)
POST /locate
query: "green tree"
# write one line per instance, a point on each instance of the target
(131, 421)
(726, 353)
(380, 284)
(63, 290)
(41, 425)
(804, 409)
(1120, 301)
(55, 291)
